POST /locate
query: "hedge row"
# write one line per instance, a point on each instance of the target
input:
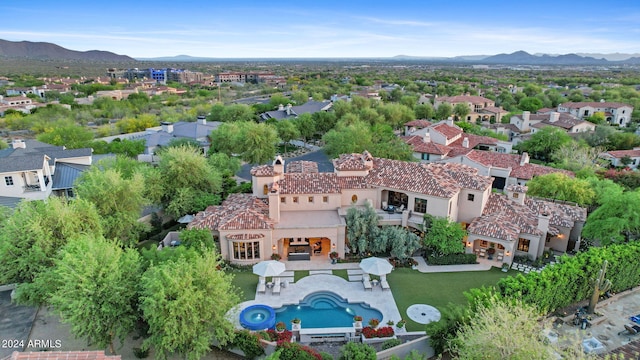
(570, 280)
(452, 259)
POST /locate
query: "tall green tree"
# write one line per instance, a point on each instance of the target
(185, 302)
(32, 235)
(97, 289)
(562, 187)
(424, 111)
(305, 125)
(617, 220)
(443, 111)
(362, 228)
(119, 201)
(287, 131)
(461, 111)
(545, 142)
(66, 133)
(443, 236)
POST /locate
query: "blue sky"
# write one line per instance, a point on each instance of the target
(328, 28)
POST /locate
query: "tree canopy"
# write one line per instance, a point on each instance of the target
(545, 142)
(443, 236)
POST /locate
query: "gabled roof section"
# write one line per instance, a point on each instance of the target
(619, 154)
(524, 171)
(448, 131)
(352, 162)
(237, 212)
(23, 163)
(262, 170)
(418, 145)
(562, 214)
(420, 123)
(66, 175)
(505, 219)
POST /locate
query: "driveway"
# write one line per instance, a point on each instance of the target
(15, 324)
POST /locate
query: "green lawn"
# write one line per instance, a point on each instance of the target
(437, 289)
(299, 274)
(341, 273)
(247, 282)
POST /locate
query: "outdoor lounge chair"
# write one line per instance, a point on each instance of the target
(630, 330)
(384, 285)
(262, 288)
(276, 287)
(367, 285)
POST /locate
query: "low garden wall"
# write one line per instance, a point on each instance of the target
(421, 345)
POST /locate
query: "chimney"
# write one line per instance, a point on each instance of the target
(524, 159)
(18, 144)
(516, 193)
(280, 107)
(288, 109)
(449, 121)
(278, 165)
(554, 116)
(427, 137)
(544, 217)
(167, 127)
(525, 116)
(202, 120)
(367, 159)
(465, 142)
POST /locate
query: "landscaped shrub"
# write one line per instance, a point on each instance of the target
(569, 281)
(326, 355)
(360, 351)
(391, 343)
(452, 259)
(249, 343)
(369, 332)
(295, 351)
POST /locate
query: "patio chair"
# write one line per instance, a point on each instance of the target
(630, 330)
(367, 285)
(276, 287)
(384, 205)
(401, 208)
(385, 285)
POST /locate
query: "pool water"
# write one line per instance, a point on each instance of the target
(257, 317)
(326, 309)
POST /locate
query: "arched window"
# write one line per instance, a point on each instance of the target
(265, 189)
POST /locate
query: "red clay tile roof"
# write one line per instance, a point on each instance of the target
(237, 212)
(517, 188)
(245, 236)
(421, 123)
(302, 166)
(504, 219)
(619, 154)
(449, 132)
(300, 183)
(353, 182)
(62, 355)
(351, 162)
(430, 179)
(418, 145)
(262, 170)
(596, 104)
(475, 140)
(525, 171)
(562, 214)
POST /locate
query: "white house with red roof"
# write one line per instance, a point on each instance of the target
(616, 157)
(614, 113)
(442, 140)
(481, 108)
(299, 213)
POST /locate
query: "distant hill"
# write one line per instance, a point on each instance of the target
(46, 51)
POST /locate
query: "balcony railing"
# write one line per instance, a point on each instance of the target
(28, 188)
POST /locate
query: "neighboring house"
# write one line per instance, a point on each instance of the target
(442, 140)
(160, 136)
(480, 108)
(527, 123)
(517, 225)
(506, 169)
(33, 170)
(618, 114)
(616, 157)
(290, 211)
(292, 112)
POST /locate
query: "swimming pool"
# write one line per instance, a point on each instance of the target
(326, 309)
(257, 317)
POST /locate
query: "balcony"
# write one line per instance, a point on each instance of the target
(30, 188)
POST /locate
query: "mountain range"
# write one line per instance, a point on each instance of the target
(49, 51)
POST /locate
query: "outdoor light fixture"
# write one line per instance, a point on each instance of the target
(469, 243)
(333, 245)
(273, 247)
(508, 253)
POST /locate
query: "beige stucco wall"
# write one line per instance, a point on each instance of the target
(468, 210)
(303, 204)
(362, 196)
(266, 243)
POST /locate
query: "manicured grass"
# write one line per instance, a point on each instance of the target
(436, 289)
(299, 274)
(247, 282)
(341, 273)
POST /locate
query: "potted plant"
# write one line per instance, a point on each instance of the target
(333, 256)
(275, 256)
(295, 324)
(280, 327)
(390, 323)
(400, 324)
(358, 320)
(505, 267)
(491, 251)
(374, 323)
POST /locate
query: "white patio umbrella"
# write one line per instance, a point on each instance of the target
(376, 266)
(269, 268)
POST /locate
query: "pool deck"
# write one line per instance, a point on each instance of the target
(353, 291)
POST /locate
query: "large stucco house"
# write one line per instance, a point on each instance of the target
(299, 213)
(480, 108)
(617, 114)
